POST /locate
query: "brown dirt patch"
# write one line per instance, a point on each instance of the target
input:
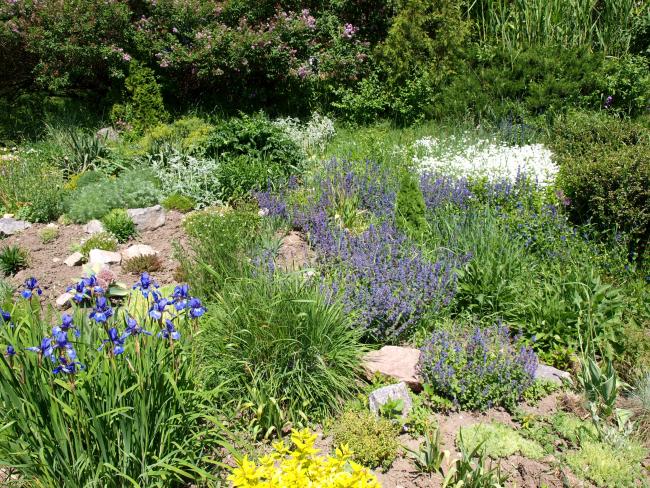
(46, 260)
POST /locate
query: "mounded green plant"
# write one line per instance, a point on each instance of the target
(284, 351)
(149, 263)
(373, 440)
(178, 202)
(101, 240)
(606, 466)
(49, 234)
(499, 441)
(118, 223)
(12, 260)
(130, 413)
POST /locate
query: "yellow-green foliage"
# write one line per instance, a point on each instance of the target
(373, 440)
(571, 427)
(302, 467)
(607, 466)
(499, 441)
(101, 240)
(187, 134)
(48, 234)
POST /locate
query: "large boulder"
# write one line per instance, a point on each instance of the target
(75, 259)
(399, 391)
(549, 373)
(94, 227)
(107, 134)
(395, 362)
(10, 226)
(149, 218)
(138, 250)
(99, 257)
(294, 253)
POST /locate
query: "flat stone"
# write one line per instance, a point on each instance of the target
(399, 391)
(149, 218)
(294, 253)
(395, 362)
(64, 301)
(107, 134)
(56, 260)
(8, 216)
(94, 227)
(137, 250)
(74, 259)
(10, 226)
(100, 257)
(549, 373)
(52, 225)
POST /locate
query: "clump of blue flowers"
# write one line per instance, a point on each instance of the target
(480, 368)
(119, 328)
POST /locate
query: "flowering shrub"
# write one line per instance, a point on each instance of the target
(302, 467)
(478, 369)
(104, 395)
(310, 136)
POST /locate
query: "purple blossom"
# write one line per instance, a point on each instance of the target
(169, 332)
(31, 288)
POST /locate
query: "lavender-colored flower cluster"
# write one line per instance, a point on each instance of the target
(479, 369)
(384, 279)
(440, 190)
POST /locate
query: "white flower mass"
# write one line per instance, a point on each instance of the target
(486, 159)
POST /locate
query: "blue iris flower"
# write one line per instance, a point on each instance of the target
(170, 331)
(67, 366)
(31, 288)
(79, 291)
(115, 339)
(145, 284)
(180, 296)
(45, 349)
(66, 325)
(10, 351)
(133, 329)
(158, 307)
(102, 311)
(196, 308)
(60, 341)
(6, 316)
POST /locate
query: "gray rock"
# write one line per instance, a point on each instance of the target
(395, 362)
(10, 226)
(549, 373)
(137, 250)
(94, 227)
(149, 218)
(74, 259)
(107, 134)
(398, 391)
(64, 301)
(100, 257)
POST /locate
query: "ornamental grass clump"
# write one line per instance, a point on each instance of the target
(479, 368)
(104, 395)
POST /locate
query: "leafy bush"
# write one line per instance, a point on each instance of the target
(187, 134)
(253, 152)
(12, 260)
(303, 462)
(118, 223)
(178, 202)
(192, 177)
(101, 240)
(29, 186)
(478, 369)
(498, 441)
(132, 189)
(311, 136)
(71, 385)
(48, 234)
(140, 264)
(372, 440)
(605, 168)
(285, 352)
(624, 85)
(144, 107)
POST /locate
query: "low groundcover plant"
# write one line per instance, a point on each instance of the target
(105, 396)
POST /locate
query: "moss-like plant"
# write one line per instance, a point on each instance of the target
(139, 264)
(373, 440)
(179, 202)
(498, 440)
(607, 466)
(48, 234)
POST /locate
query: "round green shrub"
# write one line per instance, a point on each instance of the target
(118, 223)
(101, 240)
(373, 440)
(178, 202)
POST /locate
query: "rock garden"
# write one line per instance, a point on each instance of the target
(339, 244)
